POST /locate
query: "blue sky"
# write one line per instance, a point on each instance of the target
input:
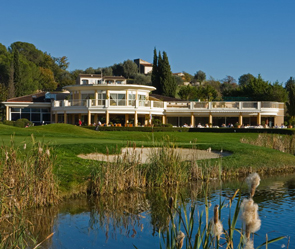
(219, 37)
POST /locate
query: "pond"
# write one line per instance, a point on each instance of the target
(124, 220)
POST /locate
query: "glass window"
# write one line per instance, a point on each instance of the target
(36, 117)
(26, 109)
(46, 117)
(15, 116)
(84, 82)
(35, 110)
(131, 96)
(15, 109)
(26, 115)
(45, 110)
(141, 97)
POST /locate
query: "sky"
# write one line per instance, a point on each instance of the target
(219, 37)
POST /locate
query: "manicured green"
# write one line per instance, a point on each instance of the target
(67, 141)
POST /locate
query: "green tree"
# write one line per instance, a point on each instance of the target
(167, 81)
(17, 76)
(290, 87)
(257, 89)
(187, 77)
(130, 68)
(245, 79)
(11, 88)
(200, 76)
(155, 72)
(276, 92)
(141, 79)
(118, 69)
(178, 80)
(188, 93)
(47, 79)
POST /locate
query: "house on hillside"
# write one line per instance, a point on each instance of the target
(144, 67)
(111, 100)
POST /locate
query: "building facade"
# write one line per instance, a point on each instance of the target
(112, 101)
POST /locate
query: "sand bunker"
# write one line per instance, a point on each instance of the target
(143, 154)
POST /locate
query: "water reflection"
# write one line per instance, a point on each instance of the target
(124, 220)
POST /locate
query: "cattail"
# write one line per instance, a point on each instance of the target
(47, 152)
(216, 225)
(6, 155)
(40, 149)
(249, 244)
(250, 216)
(179, 239)
(25, 146)
(253, 181)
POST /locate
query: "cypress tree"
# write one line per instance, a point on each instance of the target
(160, 74)
(155, 75)
(11, 88)
(17, 81)
(167, 81)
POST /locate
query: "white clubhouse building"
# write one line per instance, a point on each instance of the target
(111, 100)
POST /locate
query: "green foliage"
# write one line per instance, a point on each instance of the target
(130, 68)
(290, 87)
(245, 79)
(141, 79)
(22, 123)
(200, 76)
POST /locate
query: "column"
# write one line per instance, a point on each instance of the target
(240, 119)
(258, 118)
(7, 112)
(96, 99)
(95, 118)
(55, 117)
(89, 118)
(146, 119)
(65, 117)
(192, 120)
(164, 119)
(127, 97)
(210, 119)
(135, 119)
(73, 119)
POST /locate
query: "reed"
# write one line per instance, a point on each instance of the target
(283, 143)
(215, 234)
(26, 181)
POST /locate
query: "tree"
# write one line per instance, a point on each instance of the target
(17, 76)
(118, 69)
(245, 79)
(200, 76)
(188, 93)
(155, 72)
(47, 79)
(141, 79)
(187, 77)
(130, 68)
(290, 87)
(276, 92)
(257, 89)
(11, 88)
(178, 80)
(167, 82)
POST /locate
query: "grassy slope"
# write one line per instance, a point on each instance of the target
(67, 141)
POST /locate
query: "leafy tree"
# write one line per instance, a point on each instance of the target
(130, 68)
(118, 69)
(290, 87)
(245, 79)
(62, 62)
(216, 85)
(208, 93)
(29, 51)
(257, 88)
(188, 93)
(178, 80)
(141, 79)
(276, 92)
(11, 88)
(47, 79)
(200, 76)
(107, 71)
(187, 77)
(17, 76)
(89, 70)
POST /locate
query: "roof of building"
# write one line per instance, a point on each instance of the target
(38, 97)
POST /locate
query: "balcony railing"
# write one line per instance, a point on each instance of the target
(215, 105)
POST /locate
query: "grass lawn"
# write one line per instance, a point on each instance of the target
(67, 141)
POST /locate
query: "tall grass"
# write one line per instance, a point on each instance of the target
(26, 181)
(211, 233)
(283, 143)
(164, 167)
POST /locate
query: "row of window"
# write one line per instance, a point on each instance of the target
(36, 115)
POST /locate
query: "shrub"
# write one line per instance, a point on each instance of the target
(23, 122)
(8, 122)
